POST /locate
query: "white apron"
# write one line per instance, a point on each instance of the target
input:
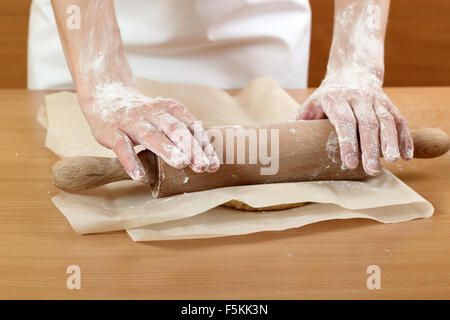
(220, 43)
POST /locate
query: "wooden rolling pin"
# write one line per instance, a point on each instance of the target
(308, 150)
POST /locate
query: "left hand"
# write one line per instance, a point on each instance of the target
(361, 107)
(351, 95)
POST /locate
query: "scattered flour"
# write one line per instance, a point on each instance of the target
(332, 148)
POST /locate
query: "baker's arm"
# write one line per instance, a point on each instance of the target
(118, 114)
(351, 94)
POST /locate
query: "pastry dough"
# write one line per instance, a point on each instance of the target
(239, 205)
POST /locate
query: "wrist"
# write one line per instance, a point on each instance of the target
(355, 72)
(100, 67)
(357, 48)
(105, 93)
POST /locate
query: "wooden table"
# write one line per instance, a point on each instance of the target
(323, 260)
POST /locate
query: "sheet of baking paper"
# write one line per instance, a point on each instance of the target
(128, 205)
(224, 221)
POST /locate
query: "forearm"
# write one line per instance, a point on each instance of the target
(120, 116)
(357, 49)
(351, 94)
(94, 51)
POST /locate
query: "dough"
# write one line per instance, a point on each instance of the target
(239, 205)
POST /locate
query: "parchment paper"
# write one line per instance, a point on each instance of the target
(128, 205)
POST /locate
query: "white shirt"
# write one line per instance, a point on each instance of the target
(220, 43)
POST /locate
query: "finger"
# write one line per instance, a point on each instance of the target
(405, 139)
(180, 135)
(368, 128)
(156, 141)
(123, 148)
(388, 132)
(310, 110)
(341, 117)
(180, 112)
(202, 138)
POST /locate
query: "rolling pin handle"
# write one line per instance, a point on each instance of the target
(82, 173)
(430, 143)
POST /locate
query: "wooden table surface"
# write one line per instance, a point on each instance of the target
(324, 260)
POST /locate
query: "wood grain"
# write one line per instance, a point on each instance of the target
(417, 43)
(323, 260)
(302, 157)
(13, 43)
(82, 173)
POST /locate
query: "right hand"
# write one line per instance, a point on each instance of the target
(120, 117)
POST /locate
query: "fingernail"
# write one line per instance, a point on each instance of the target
(372, 167)
(180, 160)
(408, 154)
(351, 161)
(199, 169)
(214, 164)
(214, 161)
(138, 174)
(203, 164)
(392, 154)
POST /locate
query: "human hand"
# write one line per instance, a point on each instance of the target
(351, 95)
(362, 107)
(121, 117)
